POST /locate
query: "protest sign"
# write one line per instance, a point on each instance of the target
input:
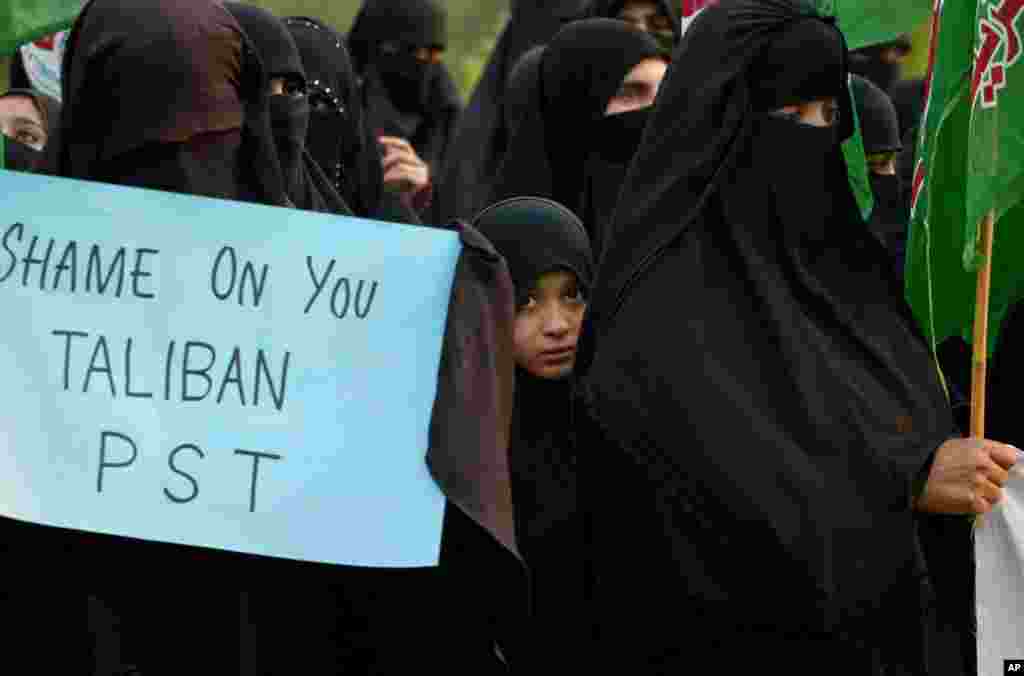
(219, 374)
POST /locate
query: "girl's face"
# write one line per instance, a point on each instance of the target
(547, 325)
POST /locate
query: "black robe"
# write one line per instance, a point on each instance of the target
(537, 236)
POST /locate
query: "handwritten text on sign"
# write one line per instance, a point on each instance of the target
(219, 374)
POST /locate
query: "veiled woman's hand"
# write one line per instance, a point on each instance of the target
(967, 477)
(404, 171)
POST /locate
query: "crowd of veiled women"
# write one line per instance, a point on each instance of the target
(706, 432)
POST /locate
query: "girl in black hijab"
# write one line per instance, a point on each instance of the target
(306, 184)
(338, 137)
(549, 257)
(396, 46)
(751, 454)
(582, 70)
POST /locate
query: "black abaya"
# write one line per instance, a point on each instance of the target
(757, 410)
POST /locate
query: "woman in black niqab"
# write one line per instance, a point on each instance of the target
(339, 138)
(536, 237)
(169, 95)
(882, 144)
(306, 184)
(404, 96)
(580, 72)
(750, 450)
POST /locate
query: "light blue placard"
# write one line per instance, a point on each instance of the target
(348, 421)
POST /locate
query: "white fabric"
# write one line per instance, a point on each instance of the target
(999, 546)
(42, 61)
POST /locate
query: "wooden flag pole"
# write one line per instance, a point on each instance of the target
(980, 361)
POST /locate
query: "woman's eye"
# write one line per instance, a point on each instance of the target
(575, 296)
(527, 304)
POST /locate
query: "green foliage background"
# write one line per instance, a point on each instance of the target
(473, 28)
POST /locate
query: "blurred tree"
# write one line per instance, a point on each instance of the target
(473, 27)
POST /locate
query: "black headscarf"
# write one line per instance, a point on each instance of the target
(338, 138)
(581, 70)
(537, 236)
(413, 23)
(404, 97)
(756, 406)
(867, 62)
(481, 139)
(20, 157)
(881, 134)
(306, 184)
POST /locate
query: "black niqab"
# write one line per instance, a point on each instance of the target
(756, 407)
(581, 70)
(537, 236)
(20, 157)
(617, 140)
(305, 182)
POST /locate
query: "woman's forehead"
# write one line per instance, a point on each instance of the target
(19, 106)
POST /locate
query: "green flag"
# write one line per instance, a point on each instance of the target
(969, 162)
(23, 21)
